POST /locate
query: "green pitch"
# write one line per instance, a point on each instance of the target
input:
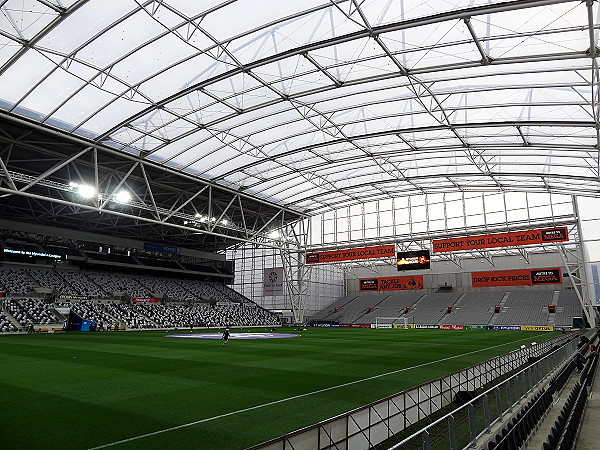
(84, 390)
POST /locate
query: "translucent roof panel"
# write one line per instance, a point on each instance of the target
(318, 104)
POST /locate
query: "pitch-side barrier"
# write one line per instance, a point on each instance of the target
(370, 425)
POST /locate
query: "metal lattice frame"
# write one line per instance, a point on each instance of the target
(268, 129)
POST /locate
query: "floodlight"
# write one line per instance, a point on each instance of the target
(122, 197)
(224, 222)
(274, 234)
(87, 191)
(73, 184)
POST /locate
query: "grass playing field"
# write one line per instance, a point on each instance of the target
(85, 390)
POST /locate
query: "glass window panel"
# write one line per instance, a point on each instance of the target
(436, 225)
(151, 59)
(418, 213)
(454, 209)
(371, 233)
(357, 235)
(242, 16)
(342, 224)
(8, 48)
(147, 143)
(315, 230)
(371, 220)
(538, 199)
(222, 167)
(343, 236)
(356, 223)
(496, 218)
(24, 74)
(119, 40)
(112, 114)
(417, 200)
(475, 220)
(493, 202)
(455, 223)
(385, 218)
(401, 203)
(473, 206)
(517, 215)
(436, 211)
(419, 227)
(538, 212)
(402, 228)
(82, 104)
(560, 209)
(90, 19)
(25, 18)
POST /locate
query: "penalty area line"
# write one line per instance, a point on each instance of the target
(295, 397)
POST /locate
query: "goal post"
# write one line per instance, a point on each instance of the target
(389, 322)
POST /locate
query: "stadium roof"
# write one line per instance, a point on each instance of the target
(280, 109)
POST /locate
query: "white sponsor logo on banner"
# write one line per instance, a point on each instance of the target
(273, 281)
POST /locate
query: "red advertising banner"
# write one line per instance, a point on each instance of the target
(521, 277)
(451, 327)
(513, 238)
(391, 283)
(380, 251)
(144, 300)
(1, 294)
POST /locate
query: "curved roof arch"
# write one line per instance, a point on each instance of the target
(319, 104)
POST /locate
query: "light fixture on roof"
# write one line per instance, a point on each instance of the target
(85, 190)
(122, 197)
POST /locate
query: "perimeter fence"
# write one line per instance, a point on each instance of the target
(381, 422)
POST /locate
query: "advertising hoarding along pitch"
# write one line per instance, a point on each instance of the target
(380, 251)
(511, 239)
(391, 283)
(517, 277)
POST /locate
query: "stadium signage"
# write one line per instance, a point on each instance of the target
(380, 251)
(160, 248)
(505, 327)
(451, 327)
(517, 277)
(391, 283)
(536, 328)
(144, 300)
(273, 281)
(27, 253)
(413, 260)
(511, 239)
(73, 297)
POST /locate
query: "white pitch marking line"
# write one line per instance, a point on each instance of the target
(275, 402)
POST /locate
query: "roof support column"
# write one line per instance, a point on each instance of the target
(295, 269)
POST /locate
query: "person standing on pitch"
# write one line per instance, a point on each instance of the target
(226, 335)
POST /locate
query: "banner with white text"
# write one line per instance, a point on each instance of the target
(351, 254)
(511, 239)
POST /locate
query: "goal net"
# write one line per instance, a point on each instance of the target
(391, 322)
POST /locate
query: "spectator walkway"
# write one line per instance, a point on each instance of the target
(588, 437)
